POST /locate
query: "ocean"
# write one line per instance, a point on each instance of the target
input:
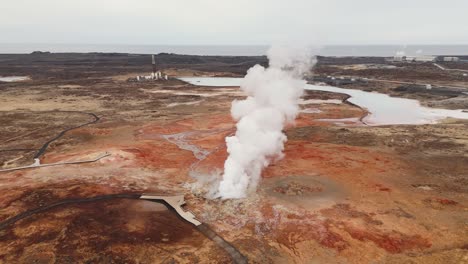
(234, 50)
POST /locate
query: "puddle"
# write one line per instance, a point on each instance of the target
(13, 78)
(384, 110)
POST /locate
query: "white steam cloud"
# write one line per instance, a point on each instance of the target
(272, 102)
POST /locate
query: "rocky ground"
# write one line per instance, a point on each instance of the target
(344, 193)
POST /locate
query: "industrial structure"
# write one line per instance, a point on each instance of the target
(155, 75)
(425, 58)
(449, 58)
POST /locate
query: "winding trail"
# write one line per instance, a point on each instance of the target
(37, 163)
(10, 221)
(181, 140)
(44, 147)
(41, 151)
(168, 201)
(448, 69)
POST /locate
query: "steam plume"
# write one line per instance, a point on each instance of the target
(272, 102)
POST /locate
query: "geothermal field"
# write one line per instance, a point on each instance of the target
(285, 158)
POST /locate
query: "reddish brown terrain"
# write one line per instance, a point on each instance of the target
(345, 193)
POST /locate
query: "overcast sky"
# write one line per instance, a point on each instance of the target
(234, 22)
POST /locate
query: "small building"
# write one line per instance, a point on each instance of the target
(399, 58)
(449, 58)
(453, 59)
(425, 58)
(422, 58)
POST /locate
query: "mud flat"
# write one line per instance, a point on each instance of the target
(344, 193)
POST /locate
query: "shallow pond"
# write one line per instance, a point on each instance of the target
(383, 109)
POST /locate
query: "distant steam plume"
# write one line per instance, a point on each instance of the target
(272, 103)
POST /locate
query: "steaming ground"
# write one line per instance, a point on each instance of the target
(341, 194)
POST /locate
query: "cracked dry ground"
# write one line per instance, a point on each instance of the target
(352, 194)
